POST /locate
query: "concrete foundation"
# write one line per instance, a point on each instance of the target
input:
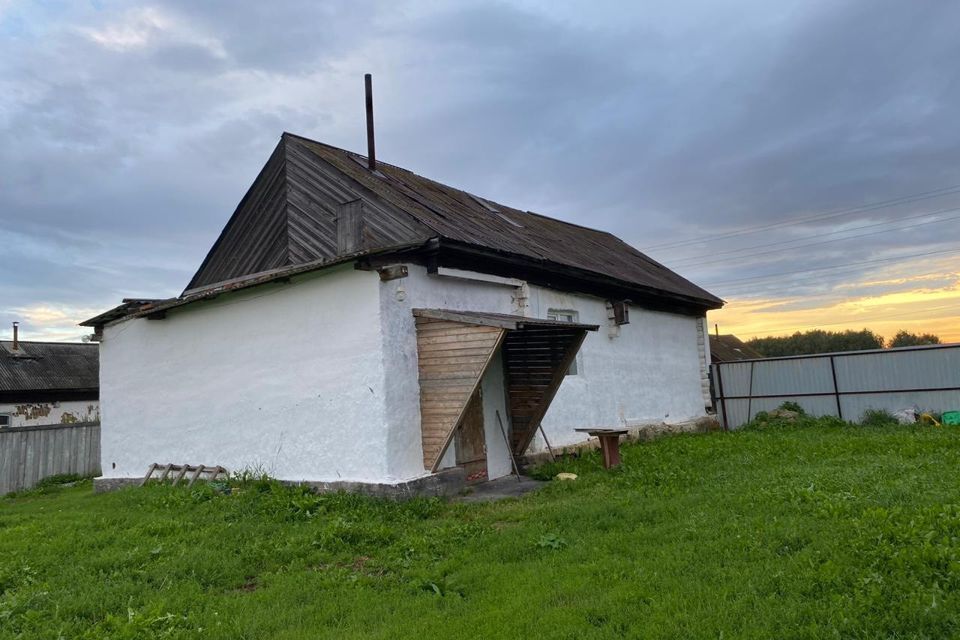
(448, 482)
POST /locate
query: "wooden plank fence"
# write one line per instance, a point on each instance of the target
(30, 454)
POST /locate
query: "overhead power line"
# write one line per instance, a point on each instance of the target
(837, 266)
(820, 235)
(834, 213)
(822, 242)
(760, 289)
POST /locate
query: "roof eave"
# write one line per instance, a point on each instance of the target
(215, 290)
(500, 320)
(588, 278)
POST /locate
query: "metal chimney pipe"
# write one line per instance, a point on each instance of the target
(371, 147)
(16, 336)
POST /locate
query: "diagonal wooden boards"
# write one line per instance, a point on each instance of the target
(535, 363)
(452, 358)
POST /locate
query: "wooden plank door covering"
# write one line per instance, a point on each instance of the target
(471, 441)
(452, 357)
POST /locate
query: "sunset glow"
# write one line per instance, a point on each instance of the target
(919, 310)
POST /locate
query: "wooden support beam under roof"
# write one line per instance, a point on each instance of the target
(501, 320)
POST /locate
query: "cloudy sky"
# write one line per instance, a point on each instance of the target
(799, 159)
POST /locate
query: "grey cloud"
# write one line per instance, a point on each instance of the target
(287, 37)
(657, 123)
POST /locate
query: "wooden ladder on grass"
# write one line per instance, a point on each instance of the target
(180, 472)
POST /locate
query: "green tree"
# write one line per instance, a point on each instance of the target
(816, 341)
(906, 339)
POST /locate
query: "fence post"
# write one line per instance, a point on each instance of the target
(723, 398)
(836, 389)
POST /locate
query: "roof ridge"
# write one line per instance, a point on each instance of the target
(397, 185)
(454, 213)
(335, 148)
(449, 186)
(406, 186)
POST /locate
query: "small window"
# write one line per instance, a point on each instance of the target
(562, 316)
(5, 420)
(566, 316)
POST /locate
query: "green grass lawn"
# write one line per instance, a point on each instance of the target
(820, 531)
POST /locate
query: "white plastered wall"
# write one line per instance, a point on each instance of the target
(283, 378)
(28, 414)
(647, 372)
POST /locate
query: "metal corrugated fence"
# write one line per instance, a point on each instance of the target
(840, 384)
(30, 454)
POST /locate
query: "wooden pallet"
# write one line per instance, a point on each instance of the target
(180, 472)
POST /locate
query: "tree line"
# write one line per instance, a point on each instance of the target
(820, 341)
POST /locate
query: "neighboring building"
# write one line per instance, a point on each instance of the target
(727, 348)
(375, 326)
(48, 383)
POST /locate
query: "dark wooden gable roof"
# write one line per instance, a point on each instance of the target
(289, 217)
(401, 207)
(255, 238)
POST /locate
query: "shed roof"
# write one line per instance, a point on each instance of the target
(727, 348)
(49, 366)
(125, 308)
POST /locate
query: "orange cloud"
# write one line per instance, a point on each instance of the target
(922, 309)
(57, 323)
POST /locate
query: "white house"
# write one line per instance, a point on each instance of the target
(44, 383)
(368, 325)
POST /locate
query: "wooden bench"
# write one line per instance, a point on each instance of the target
(609, 444)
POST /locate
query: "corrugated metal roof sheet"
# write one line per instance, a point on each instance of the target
(46, 366)
(843, 384)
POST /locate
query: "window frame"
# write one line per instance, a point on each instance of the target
(572, 316)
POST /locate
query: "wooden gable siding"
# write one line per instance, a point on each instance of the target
(535, 363)
(289, 217)
(452, 357)
(255, 238)
(316, 190)
(312, 200)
